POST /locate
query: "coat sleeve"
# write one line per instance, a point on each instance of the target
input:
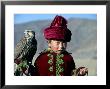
(73, 68)
(36, 66)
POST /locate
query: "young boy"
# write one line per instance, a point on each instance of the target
(56, 61)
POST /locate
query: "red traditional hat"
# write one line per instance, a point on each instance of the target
(58, 30)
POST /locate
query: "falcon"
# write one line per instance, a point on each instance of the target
(25, 49)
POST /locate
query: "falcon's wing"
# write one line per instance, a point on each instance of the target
(30, 48)
(19, 48)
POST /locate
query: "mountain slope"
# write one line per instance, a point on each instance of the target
(84, 36)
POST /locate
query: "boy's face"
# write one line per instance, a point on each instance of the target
(57, 46)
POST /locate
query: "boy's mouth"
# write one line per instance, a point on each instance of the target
(60, 51)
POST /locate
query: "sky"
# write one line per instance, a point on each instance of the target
(22, 18)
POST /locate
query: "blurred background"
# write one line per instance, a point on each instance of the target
(83, 44)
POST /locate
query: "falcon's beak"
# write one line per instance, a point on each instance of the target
(25, 32)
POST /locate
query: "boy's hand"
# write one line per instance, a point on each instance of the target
(82, 71)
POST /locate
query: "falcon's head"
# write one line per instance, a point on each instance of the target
(29, 34)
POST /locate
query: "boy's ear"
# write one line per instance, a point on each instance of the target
(48, 41)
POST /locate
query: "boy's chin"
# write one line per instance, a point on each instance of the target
(58, 52)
